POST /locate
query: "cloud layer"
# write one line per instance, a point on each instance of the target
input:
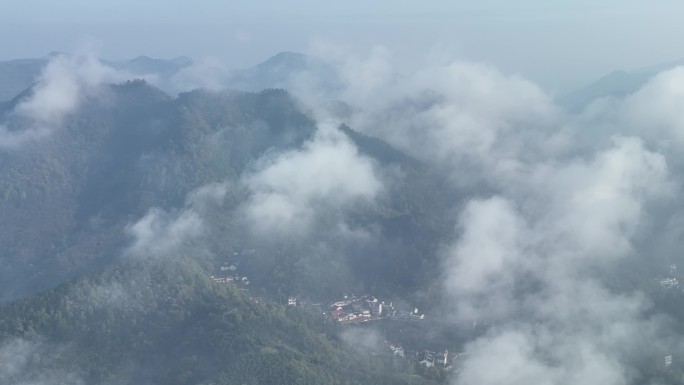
(166, 234)
(550, 204)
(61, 88)
(290, 189)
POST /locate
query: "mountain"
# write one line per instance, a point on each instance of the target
(143, 65)
(617, 84)
(100, 284)
(167, 322)
(286, 70)
(17, 75)
(67, 200)
(130, 254)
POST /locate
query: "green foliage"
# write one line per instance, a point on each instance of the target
(165, 322)
(65, 204)
(66, 200)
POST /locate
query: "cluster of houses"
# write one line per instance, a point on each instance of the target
(354, 309)
(672, 282)
(406, 315)
(669, 283)
(231, 278)
(426, 358)
(294, 301)
(228, 274)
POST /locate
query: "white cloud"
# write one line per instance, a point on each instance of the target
(530, 356)
(469, 119)
(533, 261)
(550, 204)
(654, 111)
(289, 189)
(482, 266)
(166, 233)
(595, 206)
(553, 202)
(159, 232)
(60, 90)
(207, 73)
(25, 362)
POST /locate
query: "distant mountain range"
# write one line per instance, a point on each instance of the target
(291, 70)
(69, 198)
(128, 165)
(142, 65)
(284, 70)
(617, 84)
(18, 75)
(76, 308)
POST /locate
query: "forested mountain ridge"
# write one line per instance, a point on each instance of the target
(132, 162)
(131, 217)
(166, 322)
(17, 75)
(283, 70)
(68, 197)
(132, 148)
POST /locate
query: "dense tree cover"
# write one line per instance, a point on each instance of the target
(66, 203)
(131, 147)
(166, 322)
(16, 75)
(65, 200)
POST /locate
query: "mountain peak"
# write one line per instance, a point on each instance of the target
(139, 89)
(142, 65)
(287, 55)
(285, 59)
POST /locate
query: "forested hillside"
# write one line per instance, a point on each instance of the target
(116, 220)
(67, 200)
(167, 322)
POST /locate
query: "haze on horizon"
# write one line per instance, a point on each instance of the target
(561, 46)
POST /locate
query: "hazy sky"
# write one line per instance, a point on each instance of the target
(557, 44)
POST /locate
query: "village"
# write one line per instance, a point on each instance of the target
(351, 310)
(426, 358)
(228, 271)
(670, 282)
(363, 308)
